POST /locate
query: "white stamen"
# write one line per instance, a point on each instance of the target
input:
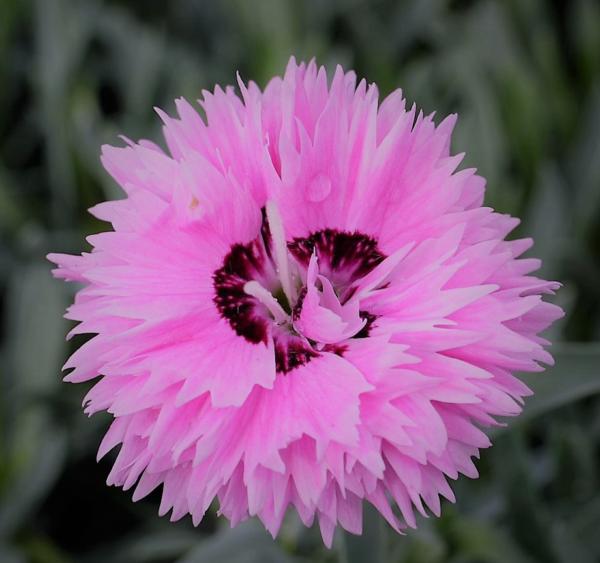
(281, 253)
(256, 290)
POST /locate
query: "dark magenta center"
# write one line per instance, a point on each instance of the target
(343, 257)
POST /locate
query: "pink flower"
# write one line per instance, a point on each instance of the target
(302, 303)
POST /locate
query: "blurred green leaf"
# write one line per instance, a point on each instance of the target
(549, 219)
(528, 519)
(567, 547)
(584, 167)
(585, 525)
(41, 550)
(248, 543)
(11, 211)
(147, 546)
(371, 545)
(59, 35)
(575, 375)
(479, 541)
(37, 328)
(9, 554)
(426, 544)
(28, 489)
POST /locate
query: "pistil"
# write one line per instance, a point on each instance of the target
(282, 263)
(257, 291)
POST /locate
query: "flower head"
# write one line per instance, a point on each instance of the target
(302, 303)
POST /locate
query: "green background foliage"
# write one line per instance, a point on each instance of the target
(524, 76)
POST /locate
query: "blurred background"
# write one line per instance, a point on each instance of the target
(524, 76)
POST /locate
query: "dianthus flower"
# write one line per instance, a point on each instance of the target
(303, 303)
